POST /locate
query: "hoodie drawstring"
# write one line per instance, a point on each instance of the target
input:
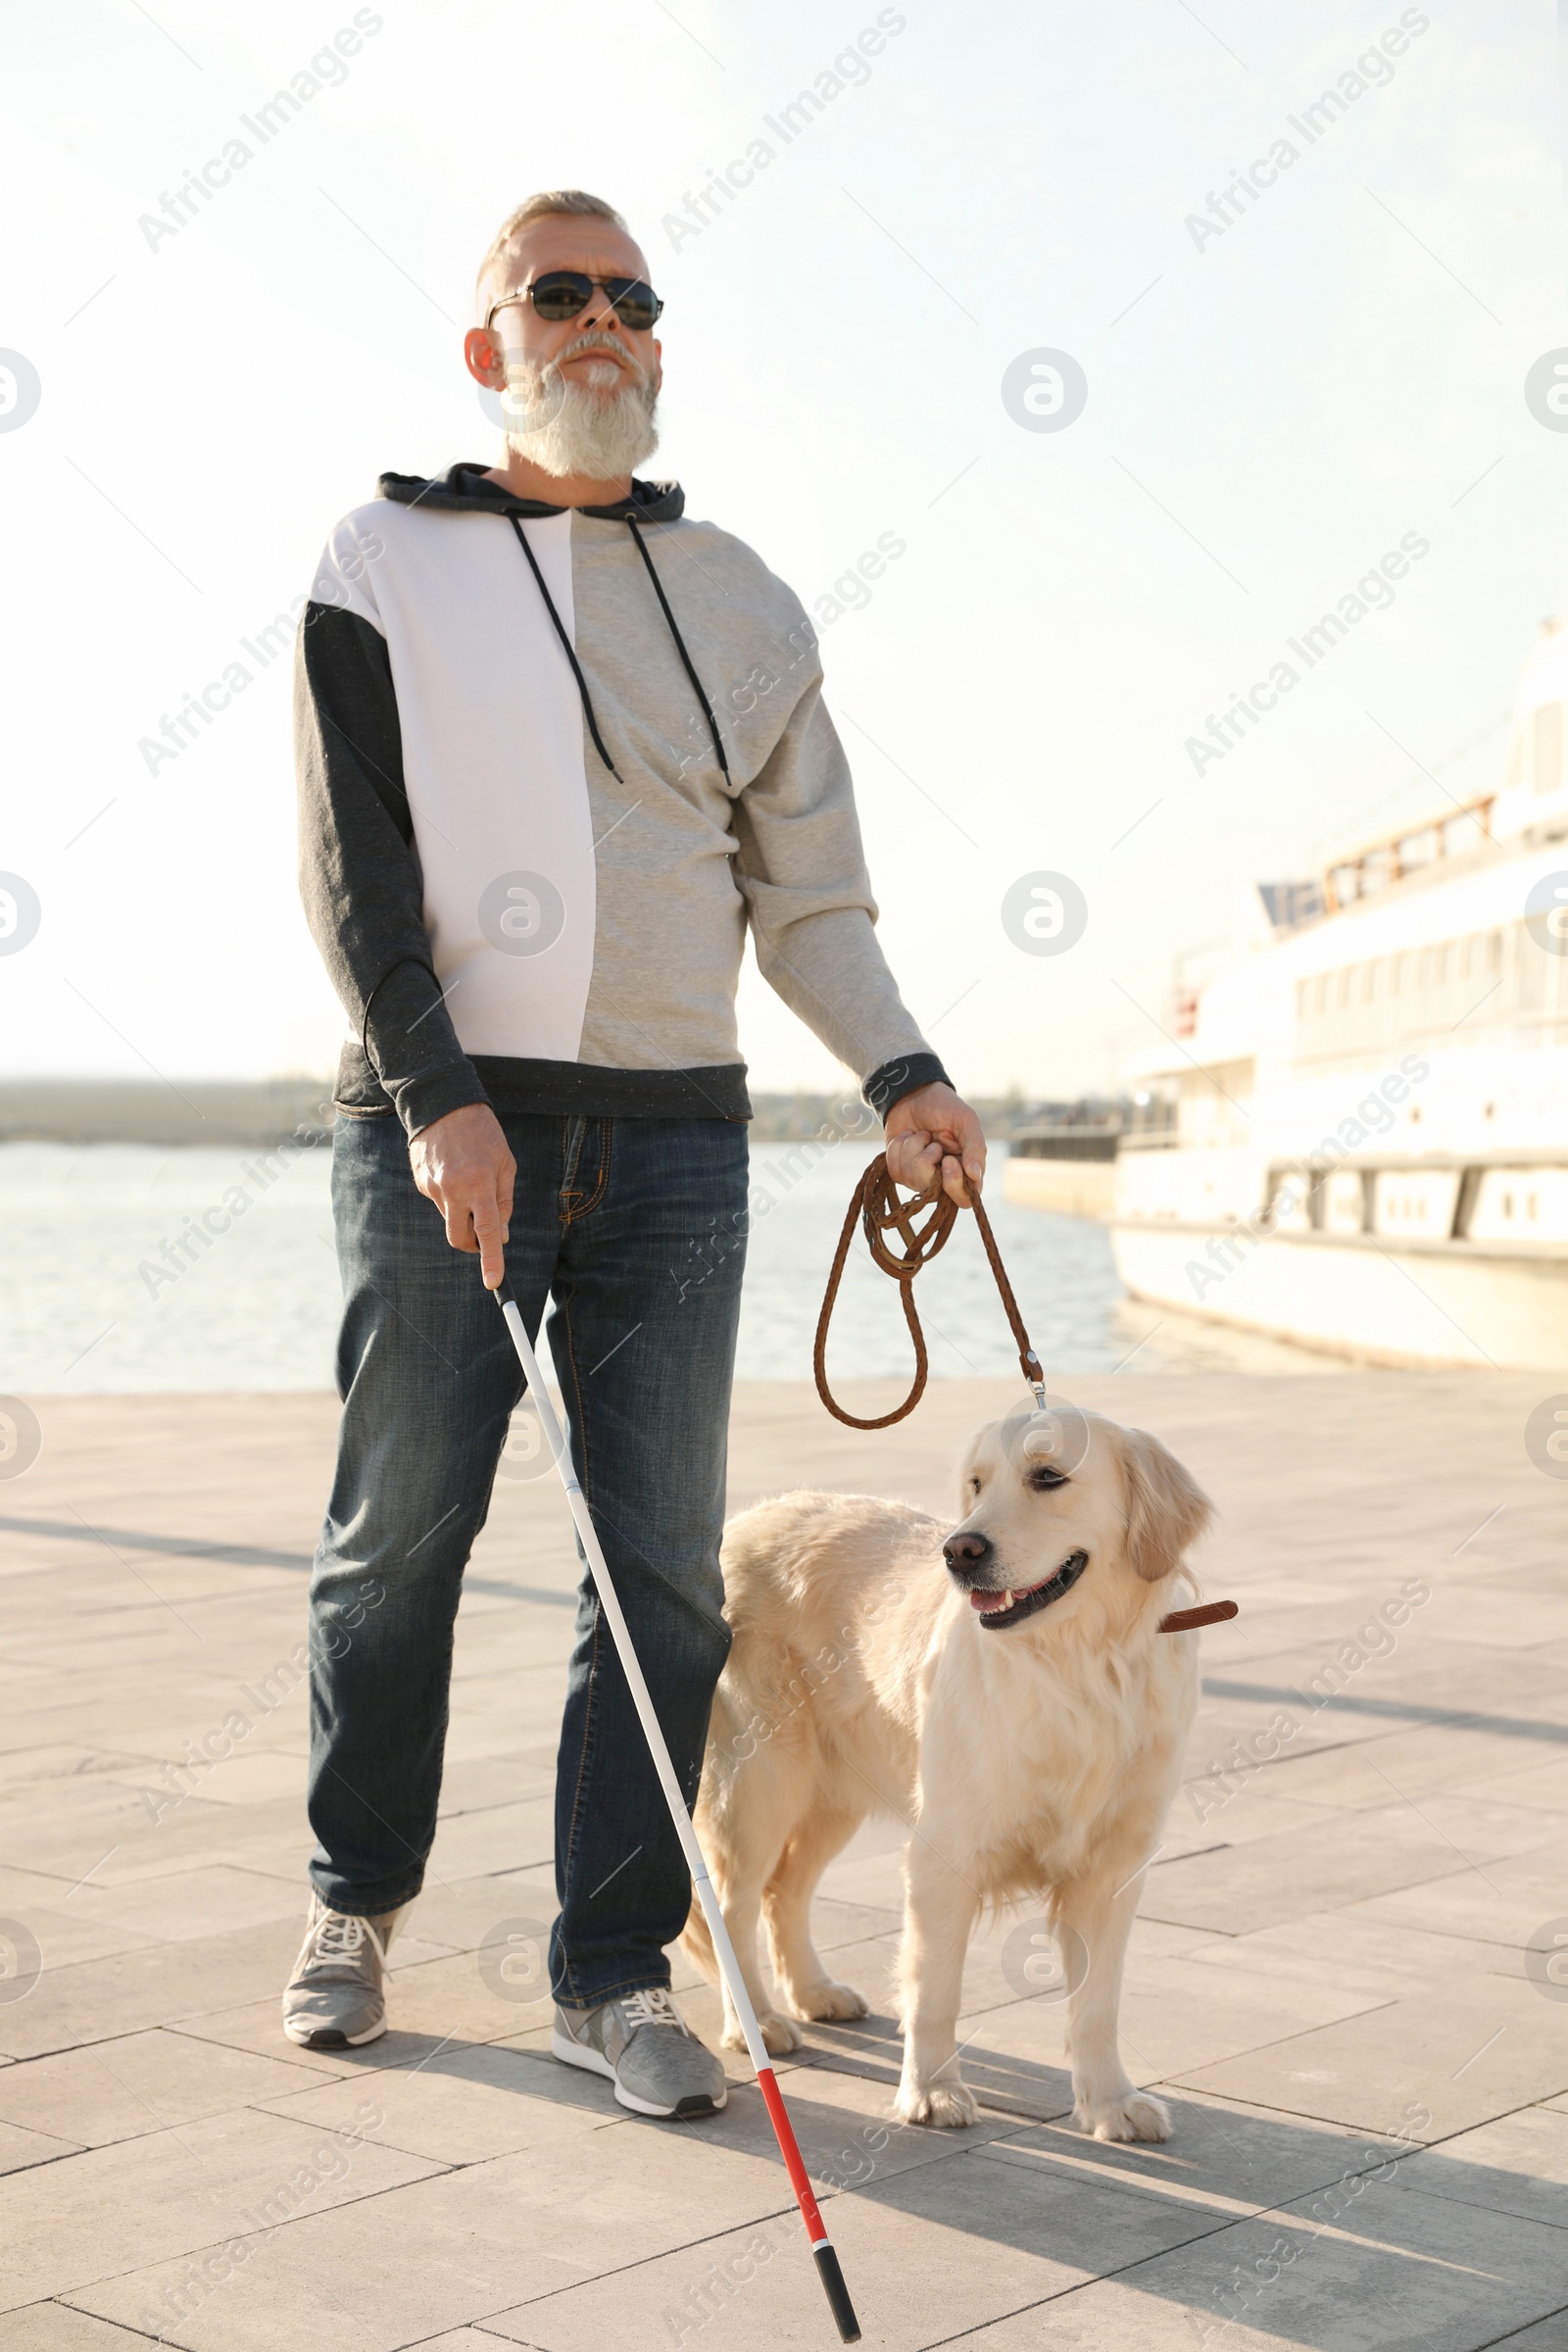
(680, 645)
(566, 649)
(576, 667)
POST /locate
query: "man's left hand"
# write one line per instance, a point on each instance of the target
(933, 1138)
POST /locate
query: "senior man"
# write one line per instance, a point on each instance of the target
(557, 747)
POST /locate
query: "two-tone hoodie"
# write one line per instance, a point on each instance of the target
(551, 763)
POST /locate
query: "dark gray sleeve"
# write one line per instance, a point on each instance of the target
(359, 876)
(905, 1076)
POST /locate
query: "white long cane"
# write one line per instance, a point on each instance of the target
(827, 2260)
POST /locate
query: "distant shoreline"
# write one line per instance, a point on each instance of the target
(266, 1110)
(151, 1111)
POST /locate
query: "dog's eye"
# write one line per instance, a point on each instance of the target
(1045, 1478)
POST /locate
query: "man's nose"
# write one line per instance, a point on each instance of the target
(600, 312)
(966, 1550)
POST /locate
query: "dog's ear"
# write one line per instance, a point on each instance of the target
(1167, 1508)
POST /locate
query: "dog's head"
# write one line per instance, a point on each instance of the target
(1065, 1502)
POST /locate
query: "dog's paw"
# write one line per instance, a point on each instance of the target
(949, 2106)
(1132, 2114)
(828, 2000)
(779, 2033)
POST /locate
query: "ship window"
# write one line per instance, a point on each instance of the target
(1469, 958)
(1323, 979)
(1529, 972)
(1372, 980)
(1345, 979)
(1548, 747)
(1439, 963)
(1301, 988)
(1494, 951)
(1396, 964)
(1423, 973)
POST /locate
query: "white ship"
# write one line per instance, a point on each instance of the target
(1359, 1139)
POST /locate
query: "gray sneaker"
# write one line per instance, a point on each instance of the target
(650, 2053)
(334, 1998)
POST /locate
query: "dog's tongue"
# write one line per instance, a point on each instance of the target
(988, 1604)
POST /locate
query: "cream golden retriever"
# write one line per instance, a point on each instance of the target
(1004, 1690)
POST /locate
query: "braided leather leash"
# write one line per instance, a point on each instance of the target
(875, 1201)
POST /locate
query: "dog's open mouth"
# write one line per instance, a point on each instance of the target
(1012, 1607)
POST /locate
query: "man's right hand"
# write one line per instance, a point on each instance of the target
(462, 1164)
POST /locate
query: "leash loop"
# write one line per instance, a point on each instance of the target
(924, 1226)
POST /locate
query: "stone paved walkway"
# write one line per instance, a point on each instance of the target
(1331, 1978)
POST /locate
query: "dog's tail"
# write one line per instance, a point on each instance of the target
(698, 1945)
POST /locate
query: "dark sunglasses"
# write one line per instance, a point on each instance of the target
(562, 293)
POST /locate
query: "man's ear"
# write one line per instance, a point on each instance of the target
(482, 360)
(1167, 1508)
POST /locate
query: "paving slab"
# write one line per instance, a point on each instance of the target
(1404, 2274)
(1517, 2165)
(19, 2148)
(1540, 1781)
(110, 1832)
(1345, 1933)
(987, 1983)
(1223, 2159)
(1355, 1942)
(1030, 2084)
(1426, 1757)
(142, 2083)
(258, 2026)
(462, 2104)
(494, 1837)
(456, 1996)
(1176, 2017)
(1503, 1901)
(847, 2131)
(240, 1779)
(97, 1999)
(471, 1782)
(66, 1936)
(458, 2339)
(1462, 2055)
(1547, 2335)
(57, 2328)
(185, 1904)
(1203, 1817)
(835, 1923)
(61, 1761)
(455, 2246)
(1238, 1887)
(908, 2248)
(97, 2214)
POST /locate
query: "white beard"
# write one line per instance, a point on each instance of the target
(599, 430)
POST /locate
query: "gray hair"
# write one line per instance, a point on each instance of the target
(550, 203)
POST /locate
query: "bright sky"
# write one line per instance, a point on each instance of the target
(1271, 410)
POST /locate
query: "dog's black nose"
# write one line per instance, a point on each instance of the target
(967, 1550)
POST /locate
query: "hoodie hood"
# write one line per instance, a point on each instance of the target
(466, 489)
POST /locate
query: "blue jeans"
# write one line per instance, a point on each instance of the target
(634, 1229)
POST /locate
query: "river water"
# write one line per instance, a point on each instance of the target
(258, 1310)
